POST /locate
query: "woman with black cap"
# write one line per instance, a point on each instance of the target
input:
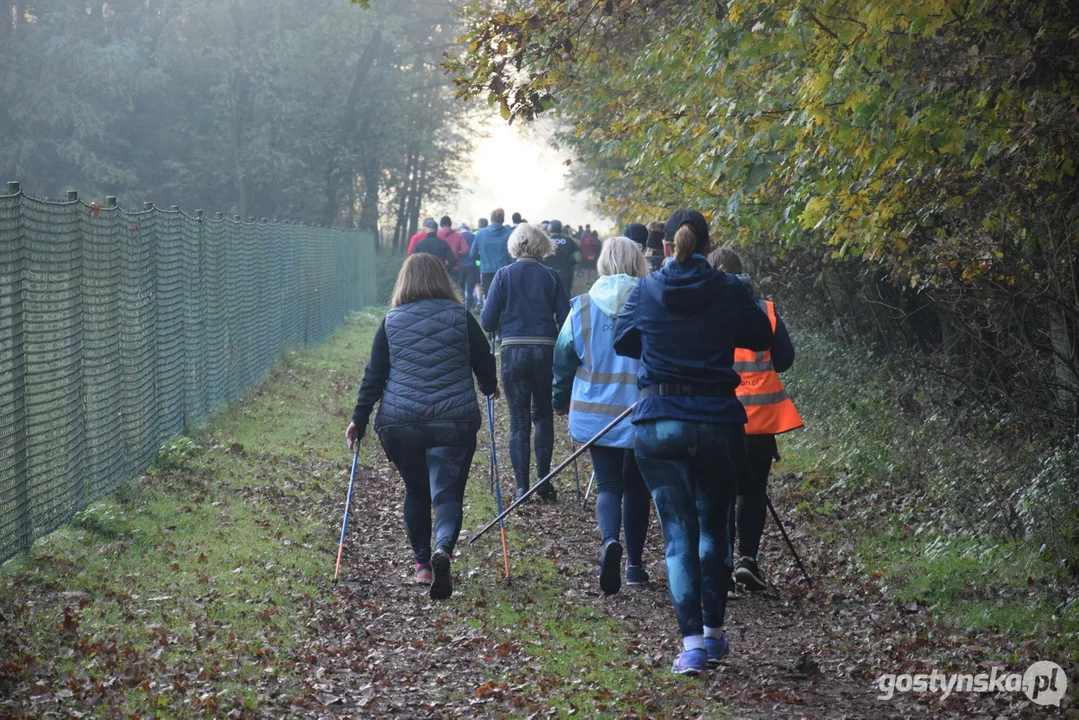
(683, 322)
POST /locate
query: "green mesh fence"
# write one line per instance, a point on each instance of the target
(120, 330)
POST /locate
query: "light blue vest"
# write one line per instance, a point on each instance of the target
(605, 384)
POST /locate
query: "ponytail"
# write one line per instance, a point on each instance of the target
(685, 243)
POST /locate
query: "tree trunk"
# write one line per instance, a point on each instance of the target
(1065, 362)
(236, 121)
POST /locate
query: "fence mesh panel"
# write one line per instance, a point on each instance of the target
(121, 330)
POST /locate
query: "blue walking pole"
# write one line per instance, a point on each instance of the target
(498, 488)
(344, 523)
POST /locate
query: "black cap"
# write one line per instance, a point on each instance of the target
(637, 233)
(554, 227)
(654, 241)
(516, 217)
(696, 223)
(445, 221)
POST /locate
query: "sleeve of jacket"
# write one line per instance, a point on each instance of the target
(782, 347)
(374, 380)
(627, 336)
(561, 302)
(483, 362)
(753, 329)
(492, 306)
(448, 256)
(566, 363)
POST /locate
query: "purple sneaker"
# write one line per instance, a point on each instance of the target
(717, 649)
(690, 662)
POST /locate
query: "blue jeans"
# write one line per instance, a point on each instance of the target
(527, 376)
(434, 460)
(621, 497)
(691, 469)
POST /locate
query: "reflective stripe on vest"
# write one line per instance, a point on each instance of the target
(769, 409)
(599, 396)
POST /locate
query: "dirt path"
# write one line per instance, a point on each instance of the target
(796, 652)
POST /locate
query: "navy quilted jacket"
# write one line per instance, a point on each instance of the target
(421, 366)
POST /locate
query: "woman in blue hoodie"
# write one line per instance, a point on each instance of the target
(683, 322)
(595, 386)
(526, 306)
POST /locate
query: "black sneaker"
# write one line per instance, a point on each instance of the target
(519, 494)
(547, 493)
(747, 573)
(442, 585)
(610, 568)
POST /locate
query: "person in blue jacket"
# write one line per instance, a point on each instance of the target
(423, 357)
(683, 322)
(490, 248)
(526, 306)
(595, 386)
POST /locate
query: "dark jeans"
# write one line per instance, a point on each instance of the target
(748, 512)
(566, 276)
(621, 497)
(468, 275)
(434, 460)
(691, 469)
(527, 375)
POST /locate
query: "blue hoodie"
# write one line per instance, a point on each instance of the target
(491, 247)
(683, 322)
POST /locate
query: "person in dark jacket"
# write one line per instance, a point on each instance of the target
(684, 322)
(526, 307)
(432, 244)
(423, 358)
(566, 255)
(773, 416)
(638, 233)
(653, 246)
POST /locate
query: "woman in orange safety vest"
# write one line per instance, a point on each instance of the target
(770, 412)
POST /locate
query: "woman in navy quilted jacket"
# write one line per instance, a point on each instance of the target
(422, 361)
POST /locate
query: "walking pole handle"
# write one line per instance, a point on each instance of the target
(565, 463)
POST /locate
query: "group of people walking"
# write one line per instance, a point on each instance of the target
(672, 332)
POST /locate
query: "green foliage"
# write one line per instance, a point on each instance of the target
(103, 519)
(176, 453)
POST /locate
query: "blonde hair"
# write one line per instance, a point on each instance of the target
(529, 241)
(622, 256)
(725, 259)
(423, 277)
(685, 243)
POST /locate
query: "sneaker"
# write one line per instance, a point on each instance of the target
(519, 494)
(547, 493)
(423, 575)
(610, 568)
(717, 649)
(690, 662)
(747, 573)
(442, 584)
(636, 575)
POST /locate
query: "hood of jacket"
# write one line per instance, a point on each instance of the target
(686, 288)
(611, 292)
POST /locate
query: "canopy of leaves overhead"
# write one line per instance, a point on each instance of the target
(933, 141)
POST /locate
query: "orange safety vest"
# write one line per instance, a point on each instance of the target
(767, 404)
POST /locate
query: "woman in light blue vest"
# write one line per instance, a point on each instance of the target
(595, 385)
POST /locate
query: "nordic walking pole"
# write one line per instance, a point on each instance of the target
(565, 463)
(588, 490)
(344, 523)
(798, 560)
(576, 470)
(498, 485)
